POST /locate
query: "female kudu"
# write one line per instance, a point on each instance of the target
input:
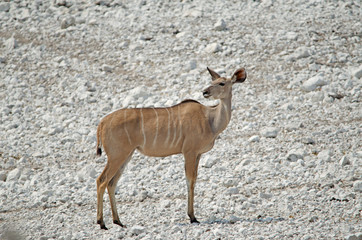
(189, 128)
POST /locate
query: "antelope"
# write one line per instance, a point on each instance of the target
(189, 128)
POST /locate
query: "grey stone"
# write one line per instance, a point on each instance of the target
(4, 7)
(137, 230)
(295, 154)
(344, 161)
(312, 83)
(265, 195)
(209, 161)
(212, 48)
(220, 25)
(357, 73)
(325, 155)
(270, 132)
(357, 186)
(2, 176)
(13, 175)
(67, 22)
(11, 43)
(254, 138)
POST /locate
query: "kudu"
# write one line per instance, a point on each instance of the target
(189, 128)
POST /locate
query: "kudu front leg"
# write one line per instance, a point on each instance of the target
(191, 166)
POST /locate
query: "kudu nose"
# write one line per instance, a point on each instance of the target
(206, 93)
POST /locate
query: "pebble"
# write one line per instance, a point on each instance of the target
(270, 132)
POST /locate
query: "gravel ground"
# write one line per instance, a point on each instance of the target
(288, 166)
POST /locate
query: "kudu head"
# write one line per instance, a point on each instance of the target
(221, 87)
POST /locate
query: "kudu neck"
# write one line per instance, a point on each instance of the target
(221, 115)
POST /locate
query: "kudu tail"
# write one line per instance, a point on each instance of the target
(99, 140)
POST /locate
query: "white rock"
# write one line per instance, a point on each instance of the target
(13, 175)
(129, 100)
(265, 195)
(212, 48)
(301, 52)
(357, 73)
(11, 43)
(107, 68)
(291, 36)
(209, 161)
(220, 25)
(269, 132)
(137, 230)
(67, 22)
(313, 82)
(254, 138)
(230, 183)
(4, 7)
(139, 92)
(295, 154)
(357, 186)
(357, 236)
(325, 155)
(193, 13)
(23, 14)
(2, 176)
(192, 64)
(232, 191)
(165, 203)
(87, 172)
(344, 161)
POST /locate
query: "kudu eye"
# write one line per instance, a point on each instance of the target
(221, 84)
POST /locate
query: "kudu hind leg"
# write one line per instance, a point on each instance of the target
(111, 169)
(111, 191)
(101, 187)
(191, 166)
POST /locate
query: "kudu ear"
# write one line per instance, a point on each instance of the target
(213, 74)
(239, 76)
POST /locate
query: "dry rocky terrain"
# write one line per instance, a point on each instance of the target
(288, 166)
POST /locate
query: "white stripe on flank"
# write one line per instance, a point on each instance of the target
(143, 129)
(155, 139)
(179, 125)
(124, 126)
(174, 125)
(168, 129)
